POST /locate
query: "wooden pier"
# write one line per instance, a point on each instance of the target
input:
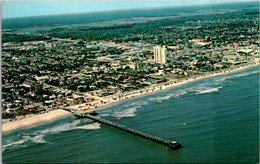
(173, 144)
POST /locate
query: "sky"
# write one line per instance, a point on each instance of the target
(19, 8)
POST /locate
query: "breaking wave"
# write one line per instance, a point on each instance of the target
(68, 126)
(37, 139)
(180, 93)
(168, 96)
(14, 143)
(245, 74)
(130, 112)
(220, 80)
(59, 128)
(160, 99)
(38, 136)
(89, 126)
(105, 115)
(26, 139)
(138, 103)
(208, 90)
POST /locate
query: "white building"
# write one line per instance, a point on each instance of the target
(160, 54)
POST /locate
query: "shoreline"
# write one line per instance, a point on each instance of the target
(108, 101)
(156, 88)
(34, 119)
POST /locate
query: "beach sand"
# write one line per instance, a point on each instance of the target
(107, 101)
(104, 102)
(35, 120)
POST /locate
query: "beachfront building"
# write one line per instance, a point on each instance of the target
(160, 54)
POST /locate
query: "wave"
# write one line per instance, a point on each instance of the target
(178, 94)
(181, 93)
(137, 103)
(245, 74)
(105, 115)
(205, 87)
(67, 127)
(220, 80)
(130, 112)
(208, 90)
(57, 129)
(160, 99)
(224, 80)
(38, 136)
(89, 126)
(14, 143)
(36, 139)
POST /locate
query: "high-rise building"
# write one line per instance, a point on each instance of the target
(160, 54)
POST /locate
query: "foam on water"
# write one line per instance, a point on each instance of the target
(126, 110)
(137, 103)
(220, 80)
(197, 123)
(89, 126)
(104, 115)
(129, 112)
(14, 143)
(60, 128)
(160, 99)
(25, 141)
(177, 94)
(180, 93)
(208, 90)
(206, 87)
(38, 136)
(38, 139)
(245, 74)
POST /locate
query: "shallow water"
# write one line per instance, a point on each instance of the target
(216, 119)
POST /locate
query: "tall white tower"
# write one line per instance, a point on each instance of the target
(160, 54)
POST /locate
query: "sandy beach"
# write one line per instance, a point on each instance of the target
(103, 102)
(31, 120)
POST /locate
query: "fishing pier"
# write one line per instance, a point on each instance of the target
(172, 144)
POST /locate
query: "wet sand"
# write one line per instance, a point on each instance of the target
(31, 120)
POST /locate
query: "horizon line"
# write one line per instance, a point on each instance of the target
(141, 8)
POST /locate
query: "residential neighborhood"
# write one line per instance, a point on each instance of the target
(47, 74)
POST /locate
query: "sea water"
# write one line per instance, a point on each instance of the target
(216, 119)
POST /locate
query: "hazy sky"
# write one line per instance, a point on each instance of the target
(20, 8)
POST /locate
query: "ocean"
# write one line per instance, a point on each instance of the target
(215, 118)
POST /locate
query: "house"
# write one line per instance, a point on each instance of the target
(11, 110)
(92, 87)
(230, 59)
(29, 107)
(112, 88)
(41, 78)
(77, 99)
(244, 51)
(48, 102)
(149, 81)
(102, 92)
(41, 109)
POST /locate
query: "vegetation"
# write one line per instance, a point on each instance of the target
(64, 61)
